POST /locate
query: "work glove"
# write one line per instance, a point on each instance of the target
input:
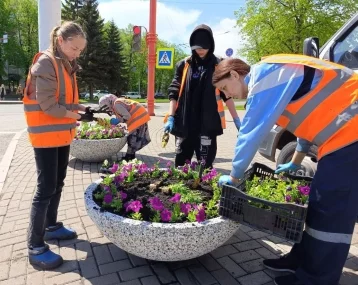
(286, 167)
(89, 109)
(116, 121)
(237, 123)
(226, 179)
(86, 117)
(168, 127)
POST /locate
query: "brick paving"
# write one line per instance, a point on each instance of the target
(93, 259)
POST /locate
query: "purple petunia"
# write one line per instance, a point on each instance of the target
(166, 215)
(143, 168)
(169, 164)
(185, 169)
(176, 198)
(288, 198)
(156, 204)
(108, 198)
(134, 206)
(185, 208)
(193, 165)
(120, 178)
(107, 189)
(210, 176)
(123, 195)
(305, 190)
(200, 216)
(114, 168)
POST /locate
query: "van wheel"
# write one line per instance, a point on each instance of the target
(309, 163)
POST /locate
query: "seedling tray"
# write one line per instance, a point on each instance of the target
(285, 220)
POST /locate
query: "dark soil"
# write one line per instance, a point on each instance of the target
(144, 188)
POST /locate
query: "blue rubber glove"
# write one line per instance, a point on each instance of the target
(287, 167)
(225, 179)
(237, 123)
(168, 127)
(114, 121)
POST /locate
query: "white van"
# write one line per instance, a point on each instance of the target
(341, 48)
(132, 95)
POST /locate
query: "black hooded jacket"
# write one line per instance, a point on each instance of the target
(197, 110)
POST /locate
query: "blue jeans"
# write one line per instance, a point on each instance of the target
(51, 165)
(331, 217)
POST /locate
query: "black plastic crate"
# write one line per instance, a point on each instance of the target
(285, 220)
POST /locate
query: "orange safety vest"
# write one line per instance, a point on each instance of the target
(219, 101)
(44, 130)
(328, 114)
(139, 115)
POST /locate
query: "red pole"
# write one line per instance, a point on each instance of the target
(151, 42)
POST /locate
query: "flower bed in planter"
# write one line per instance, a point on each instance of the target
(159, 214)
(95, 142)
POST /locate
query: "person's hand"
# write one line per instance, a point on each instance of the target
(287, 167)
(168, 127)
(228, 180)
(237, 123)
(86, 117)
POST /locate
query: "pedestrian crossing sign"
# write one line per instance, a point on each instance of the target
(165, 58)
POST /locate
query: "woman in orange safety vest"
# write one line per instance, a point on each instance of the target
(135, 116)
(51, 110)
(317, 101)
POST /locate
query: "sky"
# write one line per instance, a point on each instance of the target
(177, 18)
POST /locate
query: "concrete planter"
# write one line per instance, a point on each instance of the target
(160, 241)
(96, 150)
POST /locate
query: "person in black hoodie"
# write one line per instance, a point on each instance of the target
(196, 113)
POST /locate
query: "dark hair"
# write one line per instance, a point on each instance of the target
(223, 69)
(67, 30)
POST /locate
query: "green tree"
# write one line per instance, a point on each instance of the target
(71, 9)
(93, 61)
(280, 26)
(117, 74)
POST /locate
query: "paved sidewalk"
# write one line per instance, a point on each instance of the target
(92, 259)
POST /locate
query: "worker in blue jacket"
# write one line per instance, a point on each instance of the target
(291, 90)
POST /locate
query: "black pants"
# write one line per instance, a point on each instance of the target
(51, 164)
(204, 148)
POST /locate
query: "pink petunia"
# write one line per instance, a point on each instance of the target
(134, 206)
(166, 215)
(176, 198)
(200, 216)
(108, 198)
(156, 204)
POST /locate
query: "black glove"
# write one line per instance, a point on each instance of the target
(86, 117)
(89, 109)
(103, 109)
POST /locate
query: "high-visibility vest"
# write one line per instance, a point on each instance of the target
(139, 115)
(328, 114)
(44, 130)
(219, 101)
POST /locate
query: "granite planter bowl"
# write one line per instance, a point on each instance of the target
(96, 150)
(160, 241)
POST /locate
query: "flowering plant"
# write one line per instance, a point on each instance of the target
(279, 190)
(135, 190)
(99, 130)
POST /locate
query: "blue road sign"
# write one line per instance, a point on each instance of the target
(165, 58)
(229, 52)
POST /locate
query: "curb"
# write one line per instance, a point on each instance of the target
(7, 158)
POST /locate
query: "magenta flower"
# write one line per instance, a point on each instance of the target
(185, 169)
(134, 206)
(128, 167)
(108, 198)
(104, 132)
(193, 165)
(200, 216)
(143, 168)
(120, 178)
(107, 188)
(169, 164)
(185, 208)
(187, 161)
(305, 190)
(166, 215)
(123, 195)
(78, 124)
(176, 198)
(114, 168)
(156, 204)
(288, 198)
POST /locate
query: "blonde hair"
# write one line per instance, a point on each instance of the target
(67, 30)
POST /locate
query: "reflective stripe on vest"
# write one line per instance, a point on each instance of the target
(329, 237)
(219, 101)
(327, 114)
(139, 115)
(45, 130)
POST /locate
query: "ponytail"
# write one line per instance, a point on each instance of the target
(53, 38)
